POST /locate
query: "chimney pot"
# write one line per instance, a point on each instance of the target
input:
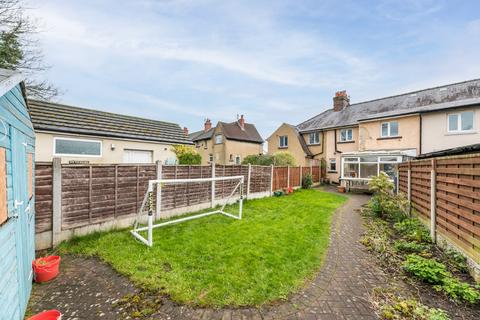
(341, 100)
(185, 131)
(208, 124)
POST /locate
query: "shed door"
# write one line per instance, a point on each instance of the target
(24, 212)
(137, 156)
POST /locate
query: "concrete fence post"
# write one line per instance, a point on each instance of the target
(213, 186)
(433, 202)
(56, 201)
(301, 175)
(249, 179)
(158, 207)
(271, 179)
(409, 187)
(288, 177)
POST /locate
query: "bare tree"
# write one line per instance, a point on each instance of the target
(20, 50)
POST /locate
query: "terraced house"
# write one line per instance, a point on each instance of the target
(359, 140)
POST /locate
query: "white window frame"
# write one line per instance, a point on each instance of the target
(239, 159)
(316, 138)
(357, 161)
(459, 122)
(389, 134)
(346, 135)
(76, 155)
(218, 137)
(330, 162)
(280, 141)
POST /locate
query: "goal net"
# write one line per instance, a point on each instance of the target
(220, 191)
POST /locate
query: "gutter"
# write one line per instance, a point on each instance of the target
(335, 140)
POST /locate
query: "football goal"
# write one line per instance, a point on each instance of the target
(152, 201)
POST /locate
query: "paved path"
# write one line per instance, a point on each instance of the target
(88, 289)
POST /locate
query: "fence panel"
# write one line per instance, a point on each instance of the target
(295, 177)
(280, 178)
(260, 179)
(457, 195)
(43, 197)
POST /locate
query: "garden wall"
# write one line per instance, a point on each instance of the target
(77, 199)
(445, 193)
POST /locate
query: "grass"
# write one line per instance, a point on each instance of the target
(217, 261)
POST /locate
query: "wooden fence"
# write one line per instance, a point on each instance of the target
(71, 197)
(445, 192)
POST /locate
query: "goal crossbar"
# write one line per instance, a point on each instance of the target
(147, 202)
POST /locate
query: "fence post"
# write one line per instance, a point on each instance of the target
(409, 187)
(56, 201)
(301, 176)
(288, 177)
(213, 185)
(249, 179)
(433, 202)
(271, 180)
(159, 194)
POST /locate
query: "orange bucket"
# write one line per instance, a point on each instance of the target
(46, 269)
(47, 315)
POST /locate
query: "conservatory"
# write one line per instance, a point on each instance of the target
(359, 167)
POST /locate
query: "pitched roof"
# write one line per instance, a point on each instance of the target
(231, 131)
(427, 100)
(9, 79)
(201, 135)
(56, 117)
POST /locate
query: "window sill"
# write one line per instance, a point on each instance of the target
(282, 147)
(314, 144)
(460, 133)
(389, 138)
(332, 171)
(343, 142)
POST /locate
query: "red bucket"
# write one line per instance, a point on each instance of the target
(45, 269)
(47, 315)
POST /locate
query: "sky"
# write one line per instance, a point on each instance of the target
(273, 61)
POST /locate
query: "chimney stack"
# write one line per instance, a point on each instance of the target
(208, 124)
(185, 131)
(241, 122)
(340, 101)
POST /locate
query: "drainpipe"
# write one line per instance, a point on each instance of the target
(420, 146)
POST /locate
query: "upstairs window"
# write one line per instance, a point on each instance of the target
(346, 135)
(218, 139)
(283, 141)
(461, 122)
(77, 147)
(389, 129)
(314, 138)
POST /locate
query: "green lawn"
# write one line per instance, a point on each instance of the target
(218, 261)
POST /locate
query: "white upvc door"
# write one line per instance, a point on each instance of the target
(137, 156)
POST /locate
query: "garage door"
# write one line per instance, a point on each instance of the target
(137, 156)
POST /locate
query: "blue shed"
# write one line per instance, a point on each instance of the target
(17, 216)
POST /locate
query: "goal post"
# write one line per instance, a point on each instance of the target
(148, 205)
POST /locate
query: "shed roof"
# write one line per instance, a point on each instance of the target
(427, 100)
(56, 117)
(473, 148)
(9, 79)
(232, 131)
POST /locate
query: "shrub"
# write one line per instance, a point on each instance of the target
(459, 290)
(384, 202)
(283, 158)
(186, 154)
(412, 229)
(410, 247)
(427, 270)
(436, 273)
(307, 181)
(258, 159)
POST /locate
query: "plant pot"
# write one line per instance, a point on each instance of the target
(342, 189)
(47, 315)
(46, 268)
